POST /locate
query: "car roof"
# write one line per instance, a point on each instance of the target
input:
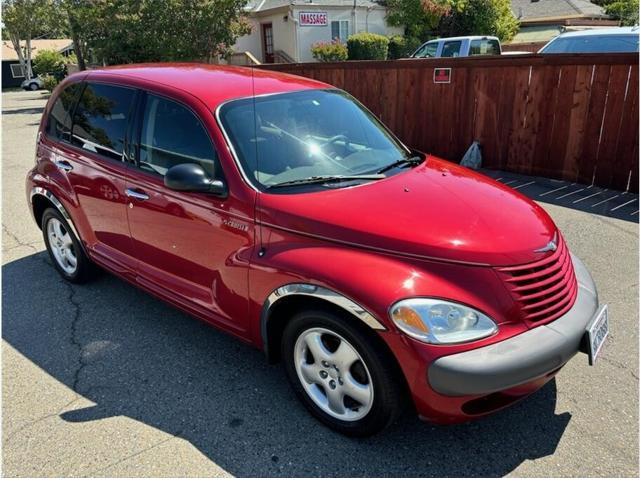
(212, 84)
(602, 31)
(468, 37)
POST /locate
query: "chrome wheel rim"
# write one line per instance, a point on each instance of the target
(333, 374)
(62, 246)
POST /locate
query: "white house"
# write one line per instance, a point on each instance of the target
(285, 30)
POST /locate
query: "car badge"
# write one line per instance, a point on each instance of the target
(550, 247)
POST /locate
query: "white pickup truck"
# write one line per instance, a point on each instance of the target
(459, 46)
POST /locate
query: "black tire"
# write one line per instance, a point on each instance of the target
(34, 86)
(85, 269)
(387, 389)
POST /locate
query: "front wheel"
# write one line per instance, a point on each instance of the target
(33, 86)
(338, 374)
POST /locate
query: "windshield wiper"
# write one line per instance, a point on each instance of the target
(326, 179)
(413, 161)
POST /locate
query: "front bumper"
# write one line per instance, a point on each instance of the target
(522, 359)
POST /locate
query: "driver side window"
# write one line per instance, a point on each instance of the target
(171, 134)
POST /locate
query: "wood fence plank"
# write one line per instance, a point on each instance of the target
(606, 160)
(625, 159)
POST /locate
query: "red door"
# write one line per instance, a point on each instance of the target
(267, 42)
(187, 245)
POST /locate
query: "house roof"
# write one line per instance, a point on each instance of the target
(8, 52)
(537, 10)
(262, 5)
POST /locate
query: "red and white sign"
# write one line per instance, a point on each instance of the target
(313, 19)
(442, 75)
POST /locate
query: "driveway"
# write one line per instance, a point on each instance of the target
(104, 380)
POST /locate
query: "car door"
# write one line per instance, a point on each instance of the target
(188, 245)
(91, 156)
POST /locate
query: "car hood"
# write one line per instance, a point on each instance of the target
(438, 210)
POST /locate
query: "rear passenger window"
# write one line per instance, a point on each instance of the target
(451, 49)
(172, 134)
(484, 46)
(59, 121)
(101, 119)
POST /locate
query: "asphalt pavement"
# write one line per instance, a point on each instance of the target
(104, 380)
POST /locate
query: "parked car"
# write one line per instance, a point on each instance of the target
(32, 84)
(459, 46)
(601, 40)
(280, 210)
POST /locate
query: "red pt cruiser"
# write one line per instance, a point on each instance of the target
(282, 211)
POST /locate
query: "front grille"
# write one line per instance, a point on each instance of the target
(546, 289)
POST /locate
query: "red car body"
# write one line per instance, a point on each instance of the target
(437, 230)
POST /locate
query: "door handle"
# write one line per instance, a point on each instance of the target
(64, 165)
(132, 193)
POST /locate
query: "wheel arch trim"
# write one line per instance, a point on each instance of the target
(318, 292)
(40, 191)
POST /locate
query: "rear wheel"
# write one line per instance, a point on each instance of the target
(338, 374)
(64, 248)
(33, 86)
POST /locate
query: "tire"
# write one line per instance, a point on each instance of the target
(369, 378)
(34, 86)
(65, 251)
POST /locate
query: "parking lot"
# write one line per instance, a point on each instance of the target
(104, 380)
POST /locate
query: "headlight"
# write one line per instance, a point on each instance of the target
(436, 321)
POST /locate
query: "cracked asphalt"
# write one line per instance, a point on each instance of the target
(104, 380)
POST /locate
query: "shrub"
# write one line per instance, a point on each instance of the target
(331, 51)
(402, 47)
(50, 82)
(49, 62)
(367, 46)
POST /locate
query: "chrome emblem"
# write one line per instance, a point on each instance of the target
(550, 247)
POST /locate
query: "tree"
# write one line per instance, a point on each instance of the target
(420, 18)
(127, 31)
(50, 62)
(624, 10)
(480, 17)
(24, 19)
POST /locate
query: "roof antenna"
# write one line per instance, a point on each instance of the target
(261, 250)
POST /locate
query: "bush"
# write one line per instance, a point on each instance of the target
(50, 82)
(49, 62)
(367, 46)
(331, 51)
(402, 47)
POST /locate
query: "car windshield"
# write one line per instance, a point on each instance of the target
(293, 137)
(594, 44)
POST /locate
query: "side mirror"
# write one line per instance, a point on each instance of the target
(191, 177)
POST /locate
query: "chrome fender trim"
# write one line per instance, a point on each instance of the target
(321, 293)
(54, 200)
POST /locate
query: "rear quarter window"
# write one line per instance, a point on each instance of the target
(59, 120)
(484, 46)
(101, 118)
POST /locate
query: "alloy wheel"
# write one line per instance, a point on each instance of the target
(333, 374)
(62, 246)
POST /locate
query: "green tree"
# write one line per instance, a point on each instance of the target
(127, 31)
(50, 62)
(624, 10)
(24, 20)
(420, 18)
(479, 17)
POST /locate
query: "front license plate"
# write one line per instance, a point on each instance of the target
(597, 332)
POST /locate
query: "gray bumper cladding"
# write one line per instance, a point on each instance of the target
(522, 358)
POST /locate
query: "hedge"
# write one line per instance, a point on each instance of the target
(367, 46)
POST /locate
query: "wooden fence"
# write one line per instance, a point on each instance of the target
(572, 117)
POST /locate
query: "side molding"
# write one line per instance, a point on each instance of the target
(54, 200)
(320, 293)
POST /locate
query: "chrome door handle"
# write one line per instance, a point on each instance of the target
(64, 165)
(132, 193)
